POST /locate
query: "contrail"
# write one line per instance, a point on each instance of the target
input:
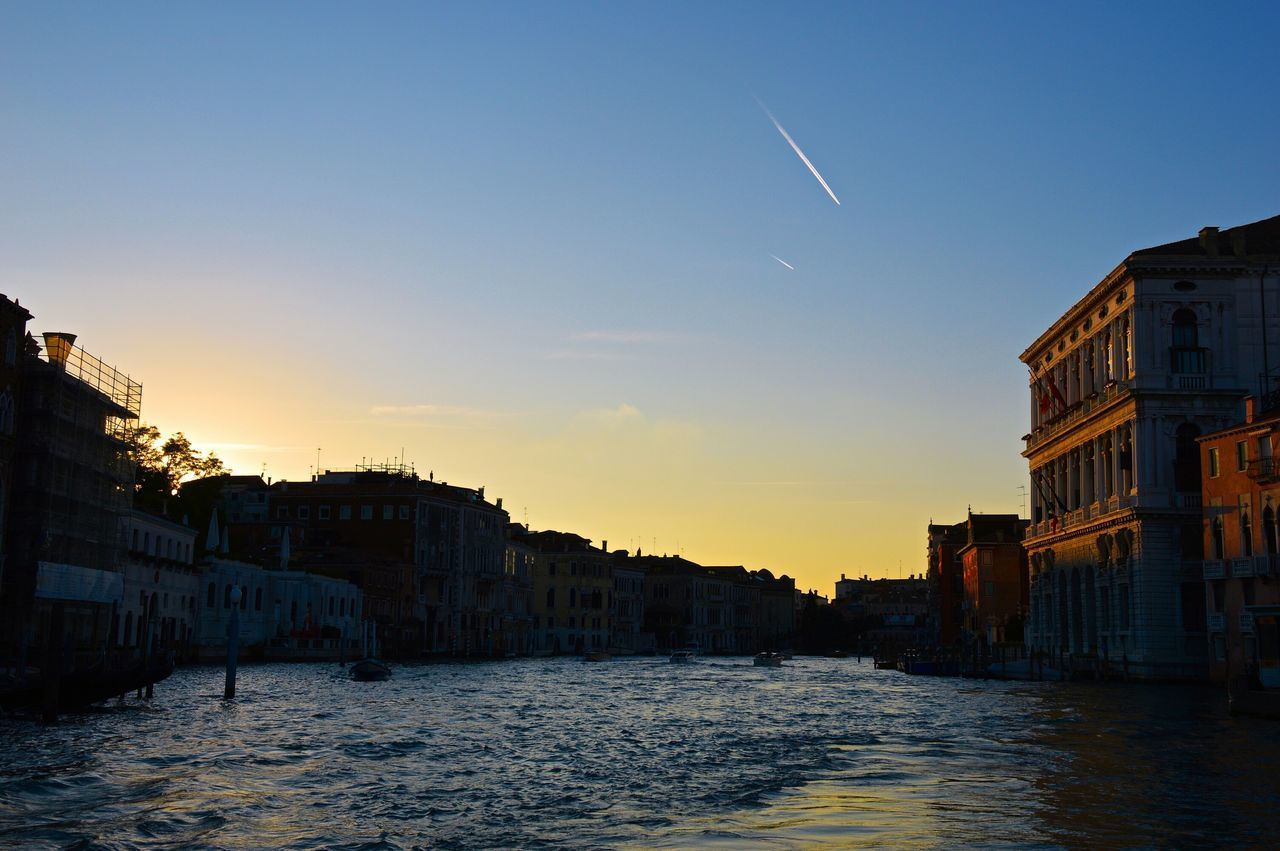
(796, 148)
(784, 262)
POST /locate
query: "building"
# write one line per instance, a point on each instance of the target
(1159, 352)
(70, 493)
(572, 593)
(161, 583)
(946, 582)
(429, 557)
(629, 635)
(13, 336)
(1241, 491)
(994, 566)
(283, 614)
(515, 594)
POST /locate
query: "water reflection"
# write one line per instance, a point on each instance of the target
(640, 753)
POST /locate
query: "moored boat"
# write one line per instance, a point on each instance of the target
(370, 669)
(596, 656)
(685, 654)
(768, 659)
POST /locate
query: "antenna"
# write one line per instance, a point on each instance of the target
(1023, 489)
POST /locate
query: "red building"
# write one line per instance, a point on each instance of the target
(1240, 489)
(996, 585)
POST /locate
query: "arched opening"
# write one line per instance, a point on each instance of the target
(1090, 610)
(1185, 355)
(1246, 532)
(1186, 459)
(1269, 529)
(1077, 613)
(1063, 637)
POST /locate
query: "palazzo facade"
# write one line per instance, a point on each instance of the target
(1161, 351)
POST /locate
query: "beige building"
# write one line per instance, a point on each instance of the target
(1160, 351)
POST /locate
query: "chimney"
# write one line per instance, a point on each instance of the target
(499, 502)
(1237, 243)
(604, 545)
(1250, 408)
(1209, 240)
(57, 345)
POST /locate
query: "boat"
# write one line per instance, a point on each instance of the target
(768, 659)
(370, 669)
(596, 656)
(79, 689)
(685, 654)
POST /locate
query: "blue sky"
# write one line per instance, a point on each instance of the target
(536, 238)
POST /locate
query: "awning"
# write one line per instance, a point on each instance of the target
(82, 584)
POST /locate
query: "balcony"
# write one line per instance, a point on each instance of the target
(1215, 570)
(1263, 470)
(1217, 622)
(1242, 567)
(1077, 412)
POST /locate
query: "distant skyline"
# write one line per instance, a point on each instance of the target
(559, 250)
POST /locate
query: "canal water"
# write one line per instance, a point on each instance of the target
(640, 753)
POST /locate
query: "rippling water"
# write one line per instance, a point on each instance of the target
(640, 752)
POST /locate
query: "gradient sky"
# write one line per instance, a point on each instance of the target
(531, 243)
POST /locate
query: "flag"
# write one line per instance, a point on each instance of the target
(1057, 394)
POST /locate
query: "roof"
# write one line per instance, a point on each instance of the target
(1261, 237)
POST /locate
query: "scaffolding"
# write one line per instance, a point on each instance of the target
(76, 416)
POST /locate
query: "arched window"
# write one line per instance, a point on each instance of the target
(226, 596)
(1246, 533)
(1215, 529)
(213, 595)
(1185, 355)
(1186, 460)
(1269, 529)
(244, 599)
(331, 604)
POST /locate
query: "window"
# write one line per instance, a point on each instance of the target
(551, 568)
(1215, 530)
(1213, 462)
(282, 512)
(404, 512)
(573, 598)
(257, 600)
(1246, 532)
(1122, 598)
(388, 512)
(988, 589)
(226, 597)
(1185, 355)
(988, 558)
(211, 599)
(1242, 455)
(275, 531)
(323, 512)
(551, 598)
(344, 512)
(366, 512)
(304, 512)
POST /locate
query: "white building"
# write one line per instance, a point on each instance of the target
(1159, 352)
(160, 584)
(284, 614)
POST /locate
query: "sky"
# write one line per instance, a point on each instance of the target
(535, 246)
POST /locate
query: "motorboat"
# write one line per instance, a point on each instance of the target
(596, 656)
(685, 654)
(768, 659)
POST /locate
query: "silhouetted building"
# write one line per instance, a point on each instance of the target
(946, 582)
(13, 337)
(995, 578)
(572, 593)
(62, 580)
(1160, 351)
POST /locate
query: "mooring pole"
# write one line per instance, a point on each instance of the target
(233, 644)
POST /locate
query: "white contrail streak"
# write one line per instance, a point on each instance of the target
(799, 153)
(784, 262)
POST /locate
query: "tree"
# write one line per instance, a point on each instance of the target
(160, 469)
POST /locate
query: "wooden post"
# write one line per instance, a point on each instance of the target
(233, 642)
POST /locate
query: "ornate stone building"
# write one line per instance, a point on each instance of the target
(1161, 351)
